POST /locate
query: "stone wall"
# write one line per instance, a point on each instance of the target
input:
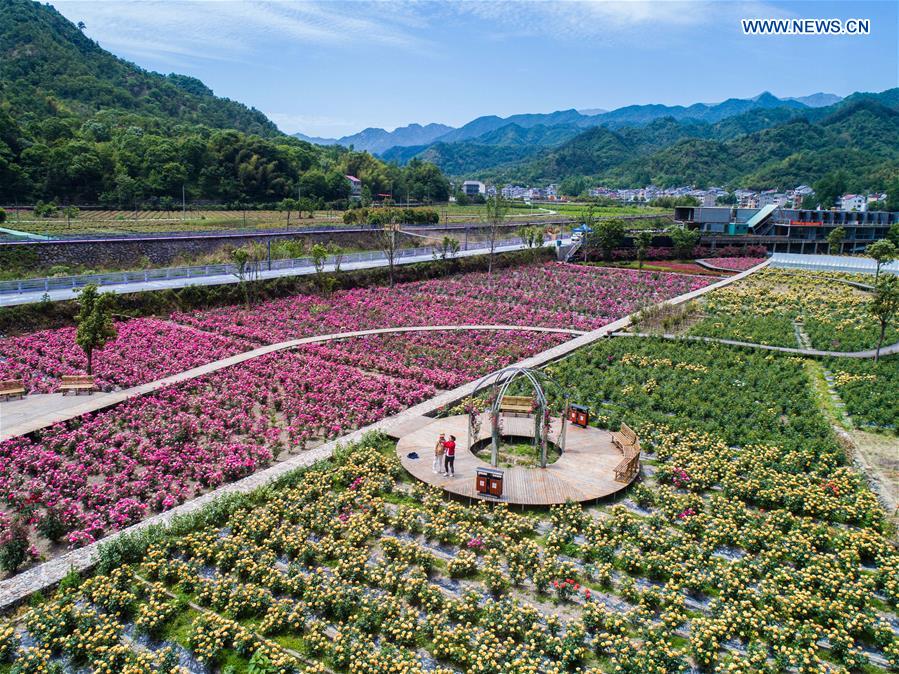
(162, 251)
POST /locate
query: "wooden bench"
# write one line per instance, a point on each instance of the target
(628, 468)
(516, 404)
(625, 438)
(77, 383)
(12, 387)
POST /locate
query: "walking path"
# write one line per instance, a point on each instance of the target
(36, 411)
(870, 353)
(142, 285)
(18, 588)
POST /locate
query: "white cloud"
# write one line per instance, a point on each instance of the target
(607, 20)
(230, 29)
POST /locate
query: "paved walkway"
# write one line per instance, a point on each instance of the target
(869, 353)
(36, 411)
(18, 588)
(59, 295)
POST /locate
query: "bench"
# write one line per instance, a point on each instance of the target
(12, 387)
(77, 383)
(625, 437)
(516, 404)
(628, 468)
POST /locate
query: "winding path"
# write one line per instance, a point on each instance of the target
(869, 353)
(37, 411)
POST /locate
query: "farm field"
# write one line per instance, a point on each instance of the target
(542, 295)
(781, 307)
(76, 480)
(749, 546)
(96, 222)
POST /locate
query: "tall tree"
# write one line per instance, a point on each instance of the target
(884, 306)
(830, 188)
(835, 240)
(683, 239)
(607, 236)
(387, 244)
(496, 209)
(94, 318)
(642, 242)
(882, 251)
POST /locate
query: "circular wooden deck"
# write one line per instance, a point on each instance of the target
(584, 472)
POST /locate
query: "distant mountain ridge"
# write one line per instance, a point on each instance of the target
(379, 141)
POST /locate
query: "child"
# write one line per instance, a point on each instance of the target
(438, 453)
(450, 448)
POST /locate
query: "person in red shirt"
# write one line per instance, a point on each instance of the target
(449, 449)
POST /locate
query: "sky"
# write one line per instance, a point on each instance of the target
(332, 68)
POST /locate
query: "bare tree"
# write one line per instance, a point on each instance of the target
(387, 244)
(495, 209)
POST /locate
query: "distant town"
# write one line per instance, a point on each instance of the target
(712, 196)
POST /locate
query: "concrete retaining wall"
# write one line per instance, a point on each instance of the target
(162, 251)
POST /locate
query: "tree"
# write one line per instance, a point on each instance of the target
(2, 216)
(289, 205)
(893, 234)
(95, 326)
(573, 186)
(337, 253)
(70, 212)
(447, 249)
(642, 242)
(683, 240)
(882, 251)
(892, 191)
(81, 26)
(320, 255)
(386, 238)
(531, 237)
(830, 188)
(607, 235)
(246, 268)
(809, 202)
(835, 240)
(884, 306)
(495, 210)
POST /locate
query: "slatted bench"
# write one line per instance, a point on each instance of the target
(12, 387)
(77, 383)
(628, 468)
(516, 404)
(625, 437)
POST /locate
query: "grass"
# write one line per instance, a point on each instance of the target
(180, 628)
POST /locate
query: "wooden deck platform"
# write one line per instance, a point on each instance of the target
(584, 472)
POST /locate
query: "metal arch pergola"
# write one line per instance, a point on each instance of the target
(500, 382)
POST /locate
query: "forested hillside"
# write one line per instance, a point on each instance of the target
(78, 124)
(777, 148)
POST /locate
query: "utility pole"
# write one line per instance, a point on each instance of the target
(183, 204)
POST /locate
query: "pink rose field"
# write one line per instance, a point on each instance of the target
(74, 482)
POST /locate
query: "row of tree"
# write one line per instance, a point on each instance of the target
(127, 160)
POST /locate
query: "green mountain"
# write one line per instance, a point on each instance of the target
(49, 67)
(860, 137)
(78, 124)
